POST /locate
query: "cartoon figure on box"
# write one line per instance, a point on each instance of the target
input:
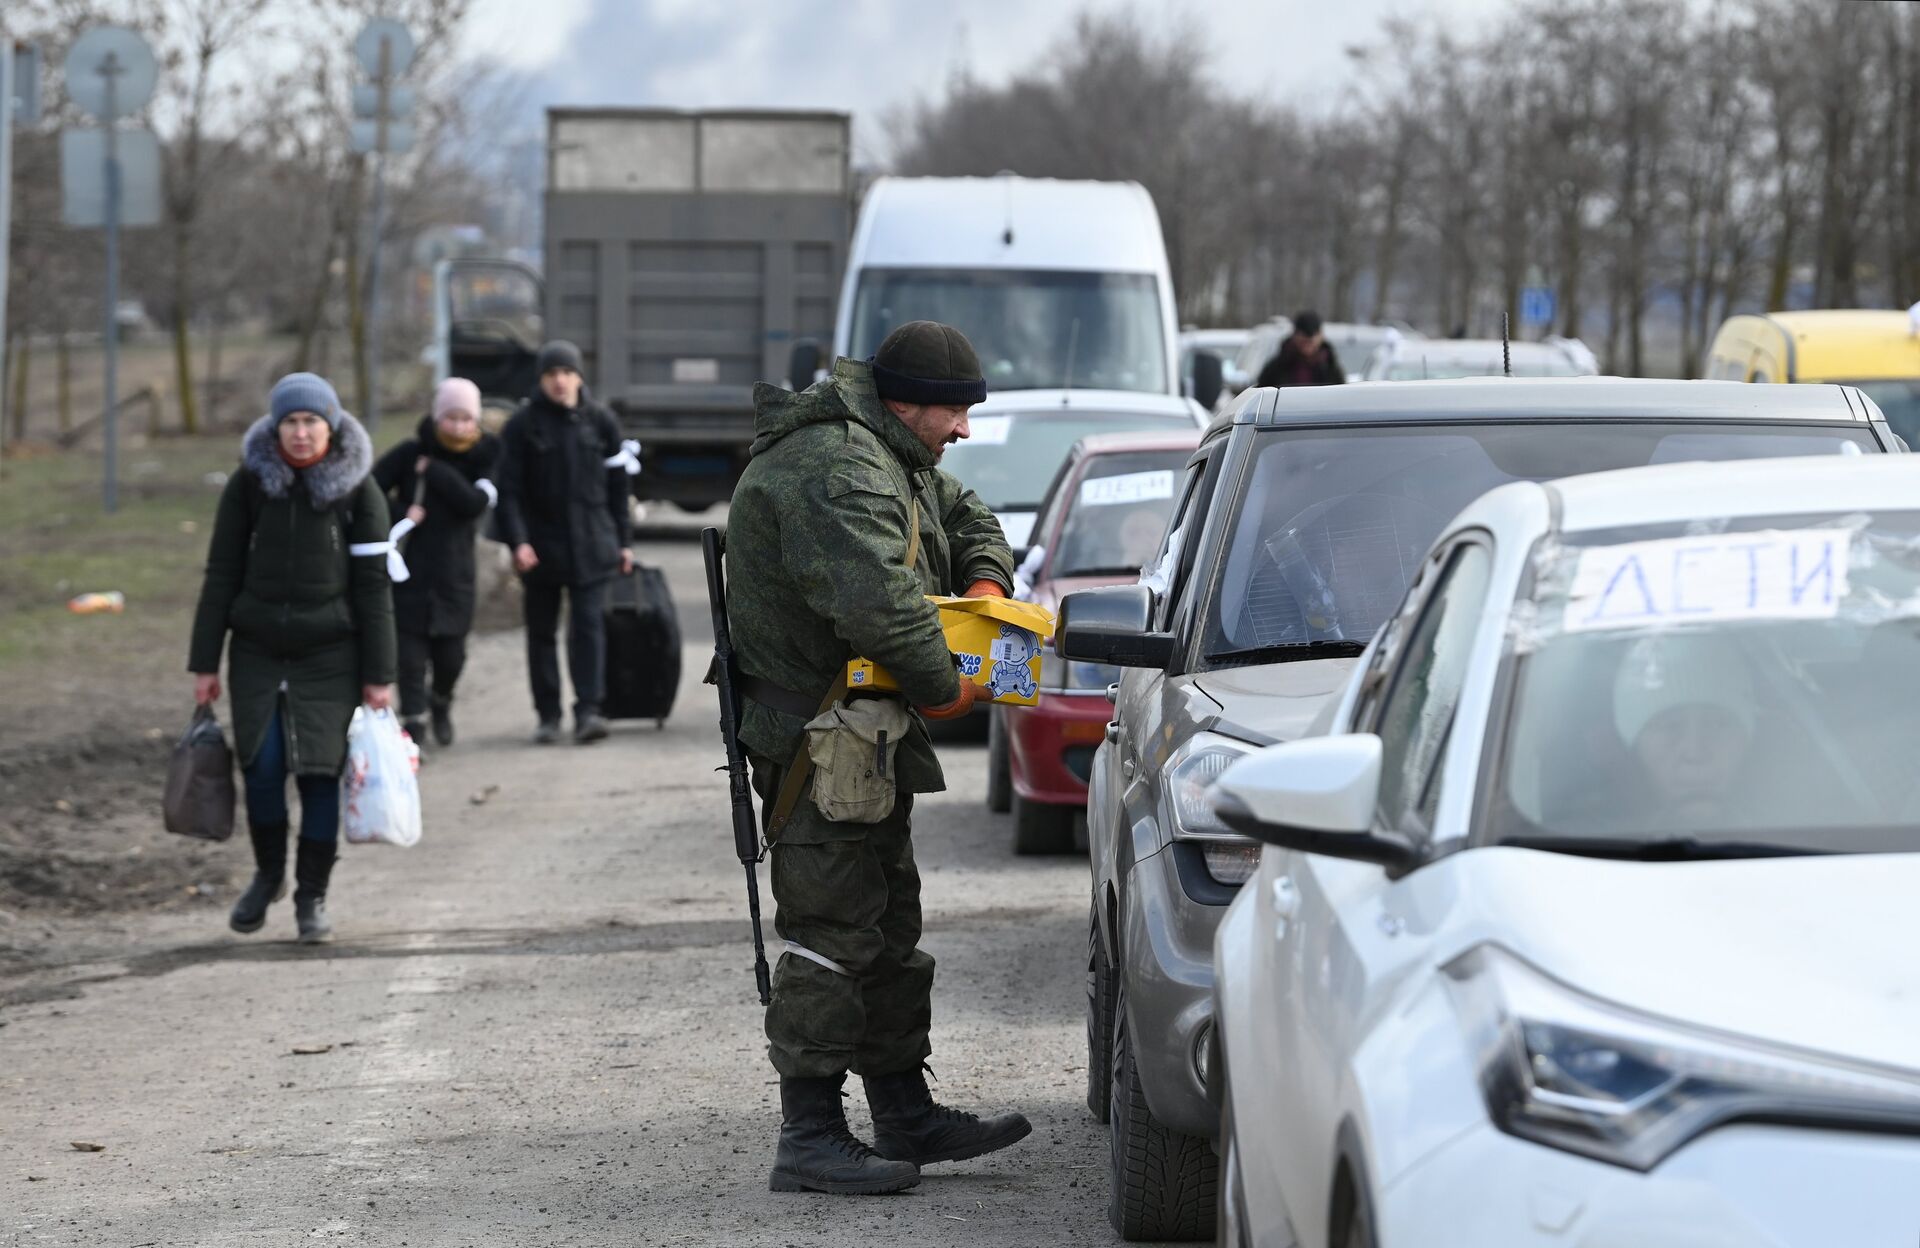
(1012, 663)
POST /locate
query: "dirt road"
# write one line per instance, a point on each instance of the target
(541, 1025)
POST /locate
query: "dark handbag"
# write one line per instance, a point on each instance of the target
(200, 793)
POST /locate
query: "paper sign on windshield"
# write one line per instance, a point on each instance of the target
(1730, 576)
(989, 430)
(1129, 487)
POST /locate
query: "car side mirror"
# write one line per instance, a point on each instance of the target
(1112, 625)
(1209, 376)
(803, 364)
(1320, 795)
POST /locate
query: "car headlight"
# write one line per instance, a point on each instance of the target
(1572, 1072)
(1058, 675)
(1189, 774)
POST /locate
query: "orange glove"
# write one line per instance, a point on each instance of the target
(969, 694)
(984, 588)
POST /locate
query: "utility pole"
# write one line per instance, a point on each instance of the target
(385, 51)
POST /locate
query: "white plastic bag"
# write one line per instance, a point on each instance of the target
(379, 793)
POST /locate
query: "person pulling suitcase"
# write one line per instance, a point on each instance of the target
(563, 512)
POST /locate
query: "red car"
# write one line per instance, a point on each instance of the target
(1102, 518)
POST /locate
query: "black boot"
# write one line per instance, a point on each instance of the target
(442, 719)
(817, 1151)
(312, 868)
(269, 878)
(909, 1125)
(416, 730)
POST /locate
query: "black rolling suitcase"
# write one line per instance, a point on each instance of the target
(643, 647)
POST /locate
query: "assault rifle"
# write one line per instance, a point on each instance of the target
(746, 821)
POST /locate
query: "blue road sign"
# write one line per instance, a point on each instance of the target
(1537, 305)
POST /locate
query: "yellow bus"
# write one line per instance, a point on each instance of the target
(1878, 351)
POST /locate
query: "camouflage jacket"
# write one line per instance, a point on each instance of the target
(817, 558)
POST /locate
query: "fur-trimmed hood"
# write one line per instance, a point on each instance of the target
(349, 460)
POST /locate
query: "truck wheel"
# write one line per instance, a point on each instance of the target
(694, 509)
(1161, 1182)
(1099, 1020)
(1041, 829)
(999, 766)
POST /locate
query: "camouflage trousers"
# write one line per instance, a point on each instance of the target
(849, 892)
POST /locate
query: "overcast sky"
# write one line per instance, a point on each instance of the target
(867, 56)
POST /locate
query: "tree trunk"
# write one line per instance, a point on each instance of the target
(63, 358)
(212, 380)
(22, 357)
(182, 316)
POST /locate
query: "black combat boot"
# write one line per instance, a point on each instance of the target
(909, 1125)
(416, 730)
(442, 720)
(312, 868)
(817, 1151)
(269, 878)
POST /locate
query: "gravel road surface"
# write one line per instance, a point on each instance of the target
(536, 1027)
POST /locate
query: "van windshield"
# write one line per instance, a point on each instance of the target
(1033, 329)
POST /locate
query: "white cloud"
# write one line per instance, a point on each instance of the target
(525, 36)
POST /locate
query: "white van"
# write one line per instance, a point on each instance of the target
(1059, 285)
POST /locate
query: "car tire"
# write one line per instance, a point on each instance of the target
(999, 766)
(1230, 1209)
(1161, 1182)
(1099, 1020)
(1041, 829)
(1353, 1218)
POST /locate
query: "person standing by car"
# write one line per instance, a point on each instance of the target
(564, 514)
(441, 480)
(841, 524)
(295, 575)
(1306, 358)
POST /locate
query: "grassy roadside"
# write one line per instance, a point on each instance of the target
(56, 542)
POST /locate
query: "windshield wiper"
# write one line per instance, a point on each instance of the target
(1665, 849)
(1291, 652)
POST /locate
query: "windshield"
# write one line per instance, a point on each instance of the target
(1751, 686)
(1117, 514)
(1333, 523)
(1900, 400)
(1033, 330)
(499, 297)
(1010, 460)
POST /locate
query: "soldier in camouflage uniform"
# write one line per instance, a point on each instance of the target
(825, 564)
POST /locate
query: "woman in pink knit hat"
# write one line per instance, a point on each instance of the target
(440, 479)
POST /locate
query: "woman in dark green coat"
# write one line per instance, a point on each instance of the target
(311, 617)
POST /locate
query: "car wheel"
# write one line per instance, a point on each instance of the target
(1230, 1211)
(1041, 829)
(1161, 1182)
(1099, 1020)
(999, 766)
(1353, 1215)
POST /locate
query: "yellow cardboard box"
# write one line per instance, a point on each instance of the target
(995, 642)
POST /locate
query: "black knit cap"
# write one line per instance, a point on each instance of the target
(561, 354)
(928, 363)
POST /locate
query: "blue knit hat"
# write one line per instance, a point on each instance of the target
(304, 392)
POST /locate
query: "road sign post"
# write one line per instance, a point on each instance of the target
(110, 74)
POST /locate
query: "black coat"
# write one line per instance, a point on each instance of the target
(1290, 366)
(557, 493)
(436, 600)
(310, 622)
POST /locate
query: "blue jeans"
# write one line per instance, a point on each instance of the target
(266, 778)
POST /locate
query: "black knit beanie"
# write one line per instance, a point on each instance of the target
(928, 363)
(561, 354)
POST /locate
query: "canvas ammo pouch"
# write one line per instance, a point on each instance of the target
(852, 745)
